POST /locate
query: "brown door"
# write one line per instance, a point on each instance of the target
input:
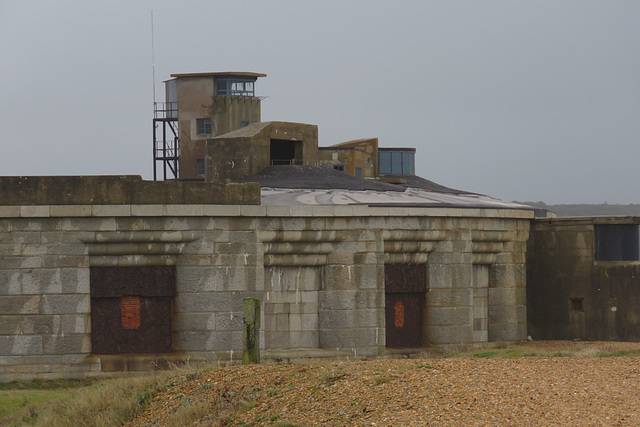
(131, 309)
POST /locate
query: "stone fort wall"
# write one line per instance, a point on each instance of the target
(319, 273)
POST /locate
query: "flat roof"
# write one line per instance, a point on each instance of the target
(221, 73)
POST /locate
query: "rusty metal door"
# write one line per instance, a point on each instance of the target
(405, 288)
(131, 309)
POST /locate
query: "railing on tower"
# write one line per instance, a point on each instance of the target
(165, 139)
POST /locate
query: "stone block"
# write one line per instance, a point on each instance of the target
(41, 281)
(184, 210)
(228, 321)
(337, 319)
(203, 302)
(347, 338)
(38, 325)
(369, 299)
(507, 275)
(277, 211)
(505, 332)
(439, 276)
(147, 210)
(26, 237)
(36, 224)
(20, 345)
(75, 324)
(503, 314)
(20, 304)
(10, 325)
(222, 210)
(70, 210)
(438, 297)
(304, 339)
(369, 276)
(502, 296)
(65, 304)
(480, 336)
(75, 280)
(12, 262)
(9, 211)
(130, 224)
(448, 316)
(276, 339)
(456, 334)
(337, 300)
(194, 321)
(309, 321)
(11, 282)
(34, 211)
(292, 278)
(89, 224)
(269, 322)
(110, 210)
(63, 344)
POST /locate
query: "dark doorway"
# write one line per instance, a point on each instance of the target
(283, 152)
(131, 309)
(405, 288)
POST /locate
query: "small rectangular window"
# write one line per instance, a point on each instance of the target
(244, 123)
(200, 167)
(358, 172)
(339, 168)
(203, 126)
(577, 304)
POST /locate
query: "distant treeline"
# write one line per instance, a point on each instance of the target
(604, 209)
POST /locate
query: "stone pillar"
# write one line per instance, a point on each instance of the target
(251, 331)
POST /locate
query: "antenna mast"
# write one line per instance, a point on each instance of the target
(153, 61)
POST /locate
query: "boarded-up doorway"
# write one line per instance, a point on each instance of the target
(131, 309)
(405, 287)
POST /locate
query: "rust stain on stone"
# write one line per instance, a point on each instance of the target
(130, 312)
(399, 311)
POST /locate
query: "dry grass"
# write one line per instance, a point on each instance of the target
(114, 402)
(109, 402)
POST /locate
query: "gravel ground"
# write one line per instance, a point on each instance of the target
(573, 390)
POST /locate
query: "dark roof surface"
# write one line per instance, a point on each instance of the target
(414, 181)
(315, 177)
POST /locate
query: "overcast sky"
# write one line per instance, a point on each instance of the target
(535, 100)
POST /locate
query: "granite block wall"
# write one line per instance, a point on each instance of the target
(318, 271)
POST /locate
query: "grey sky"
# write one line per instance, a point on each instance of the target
(536, 100)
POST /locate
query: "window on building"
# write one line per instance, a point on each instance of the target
(577, 304)
(203, 126)
(200, 167)
(617, 242)
(358, 172)
(234, 87)
(396, 162)
(285, 152)
(340, 167)
(244, 123)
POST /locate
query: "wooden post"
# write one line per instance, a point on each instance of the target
(251, 331)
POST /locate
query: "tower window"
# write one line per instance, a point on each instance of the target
(234, 87)
(203, 126)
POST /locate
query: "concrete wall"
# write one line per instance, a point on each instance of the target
(319, 272)
(247, 151)
(561, 267)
